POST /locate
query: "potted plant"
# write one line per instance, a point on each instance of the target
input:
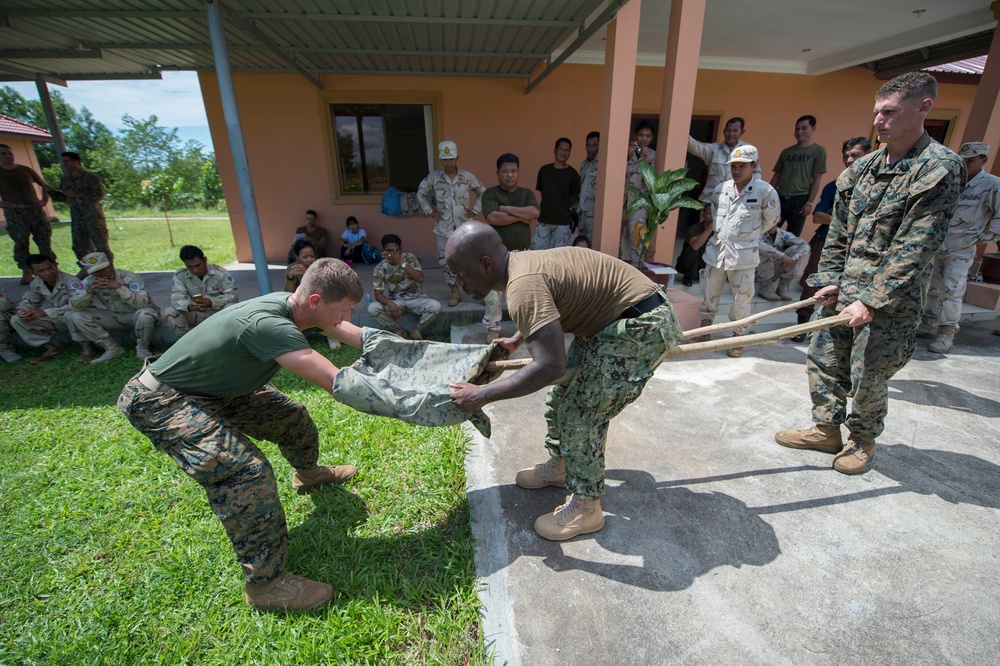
(666, 193)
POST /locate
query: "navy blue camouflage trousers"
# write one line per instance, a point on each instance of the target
(209, 438)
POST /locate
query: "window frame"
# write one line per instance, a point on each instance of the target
(328, 98)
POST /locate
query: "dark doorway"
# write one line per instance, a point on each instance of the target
(937, 129)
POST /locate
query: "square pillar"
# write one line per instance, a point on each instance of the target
(984, 117)
(616, 118)
(680, 74)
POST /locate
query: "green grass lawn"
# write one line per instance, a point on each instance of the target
(141, 244)
(110, 555)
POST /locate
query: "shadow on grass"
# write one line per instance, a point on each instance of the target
(62, 382)
(419, 568)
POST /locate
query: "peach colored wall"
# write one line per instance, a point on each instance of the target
(24, 153)
(488, 116)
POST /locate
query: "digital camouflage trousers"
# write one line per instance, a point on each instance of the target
(612, 367)
(209, 438)
(859, 361)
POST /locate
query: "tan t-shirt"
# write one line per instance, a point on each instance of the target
(586, 290)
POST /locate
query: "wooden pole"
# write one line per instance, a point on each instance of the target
(746, 321)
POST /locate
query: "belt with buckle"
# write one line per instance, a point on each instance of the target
(648, 304)
(147, 379)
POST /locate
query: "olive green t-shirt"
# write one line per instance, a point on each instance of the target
(516, 236)
(585, 289)
(232, 352)
(17, 185)
(797, 167)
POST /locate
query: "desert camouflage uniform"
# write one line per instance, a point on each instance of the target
(976, 220)
(6, 312)
(888, 222)
(209, 438)
(127, 308)
(217, 285)
(89, 228)
(612, 367)
(773, 248)
(395, 284)
(55, 303)
(716, 159)
(631, 239)
(451, 198)
(588, 197)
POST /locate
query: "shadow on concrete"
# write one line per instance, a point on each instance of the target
(937, 394)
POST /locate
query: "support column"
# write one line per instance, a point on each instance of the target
(50, 116)
(984, 118)
(680, 73)
(235, 130)
(616, 118)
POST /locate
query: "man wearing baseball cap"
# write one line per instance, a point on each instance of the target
(743, 209)
(111, 298)
(977, 220)
(451, 196)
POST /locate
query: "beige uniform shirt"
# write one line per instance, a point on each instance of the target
(977, 218)
(217, 285)
(588, 184)
(740, 219)
(53, 301)
(451, 197)
(716, 158)
(131, 296)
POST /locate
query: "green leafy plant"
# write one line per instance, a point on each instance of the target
(666, 193)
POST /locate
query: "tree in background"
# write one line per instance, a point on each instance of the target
(140, 151)
(163, 189)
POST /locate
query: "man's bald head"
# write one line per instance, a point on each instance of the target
(476, 254)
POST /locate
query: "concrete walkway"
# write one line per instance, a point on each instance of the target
(721, 547)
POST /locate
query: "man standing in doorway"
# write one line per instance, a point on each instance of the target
(559, 185)
(451, 196)
(639, 151)
(23, 210)
(889, 218)
(588, 186)
(716, 159)
(83, 191)
(797, 175)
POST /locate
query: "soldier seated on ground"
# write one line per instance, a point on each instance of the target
(783, 257)
(199, 291)
(397, 281)
(112, 299)
(7, 351)
(41, 314)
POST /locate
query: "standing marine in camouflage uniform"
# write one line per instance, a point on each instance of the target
(451, 196)
(588, 187)
(83, 191)
(200, 289)
(115, 299)
(977, 220)
(7, 352)
(783, 257)
(396, 282)
(41, 314)
(202, 401)
(890, 216)
(23, 209)
(624, 326)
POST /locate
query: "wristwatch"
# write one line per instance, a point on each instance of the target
(404, 265)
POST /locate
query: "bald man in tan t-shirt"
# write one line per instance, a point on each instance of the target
(623, 325)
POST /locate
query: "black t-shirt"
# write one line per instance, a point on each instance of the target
(557, 186)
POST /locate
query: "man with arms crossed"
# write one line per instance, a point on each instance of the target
(890, 216)
(208, 394)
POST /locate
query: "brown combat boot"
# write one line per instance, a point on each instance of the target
(416, 333)
(855, 457)
(825, 438)
(305, 480)
(575, 517)
(87, 353)
(735, 352)
(52, 349)
(288, 593)
(456, 297)
(552, 472)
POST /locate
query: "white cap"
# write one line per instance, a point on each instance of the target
(447, 150)
(744, 153)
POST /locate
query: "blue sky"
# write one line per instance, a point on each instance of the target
(175, 100)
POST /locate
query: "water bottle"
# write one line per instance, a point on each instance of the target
(368, 298)
(670, 281)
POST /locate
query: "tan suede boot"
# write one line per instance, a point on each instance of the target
(111, 350)
(456, 297)
(288, 593)
(575, 517)
(855, 457)
(552, 472)
(825, 438)
(52, 349)
(305, 480)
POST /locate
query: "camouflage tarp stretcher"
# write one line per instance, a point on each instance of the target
(408, 380)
